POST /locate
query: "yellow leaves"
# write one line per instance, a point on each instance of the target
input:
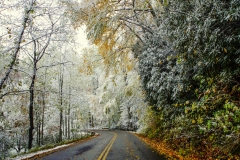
(207, 92)
(105, 46)
(129, 93)
(194, 106)
(195, 51)
(107, 29)
(193, 121)
(89, 69)
(165, 2)
(105, 49)
(102, 4)
(161, 147)
(180, 87)
(214, 89)
(128, 63)
(178, 104)
(200, 120)
(86, 66)
(129, 66)
(210, 81)
(225, 50)
(97, 41)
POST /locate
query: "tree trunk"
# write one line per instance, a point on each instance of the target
(65, 123)
(37, 126)
(61, 123)
(31, 127)
(43, 109)
(38, 53)
(68, 122)
(38, 131)
(61, 103)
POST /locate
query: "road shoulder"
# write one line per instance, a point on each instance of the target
(160, 147)
(39, 154)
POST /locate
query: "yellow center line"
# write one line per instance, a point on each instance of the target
(105, 152)
(105, 156)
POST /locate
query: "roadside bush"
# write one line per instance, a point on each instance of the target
(190, 73)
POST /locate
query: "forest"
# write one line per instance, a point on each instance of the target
(166, 69)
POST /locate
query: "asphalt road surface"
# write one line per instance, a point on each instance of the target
(110, 145)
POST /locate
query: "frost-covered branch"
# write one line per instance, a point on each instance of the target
(17, 48)
(55, 64)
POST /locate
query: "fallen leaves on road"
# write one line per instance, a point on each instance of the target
(164, 149)
(161, 147)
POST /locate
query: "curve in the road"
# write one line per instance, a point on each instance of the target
(110, 145)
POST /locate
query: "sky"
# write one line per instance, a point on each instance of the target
(82, 38)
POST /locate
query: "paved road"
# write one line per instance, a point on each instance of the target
(110, 145)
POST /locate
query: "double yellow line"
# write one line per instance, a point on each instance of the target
(105, 152)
